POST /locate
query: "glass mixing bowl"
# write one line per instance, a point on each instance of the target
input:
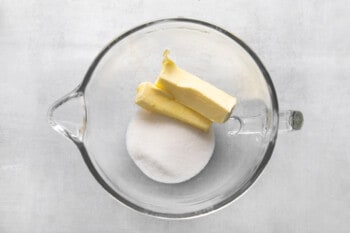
(96, 114)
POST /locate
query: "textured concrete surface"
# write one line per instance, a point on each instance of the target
(45, 49)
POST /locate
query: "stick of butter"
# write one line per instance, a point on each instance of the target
(194, 92)
(157, 100)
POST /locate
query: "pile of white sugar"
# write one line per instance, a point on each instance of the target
(167, 150)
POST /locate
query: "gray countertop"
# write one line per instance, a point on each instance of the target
(45, 49)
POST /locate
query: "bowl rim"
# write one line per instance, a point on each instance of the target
(274, 129)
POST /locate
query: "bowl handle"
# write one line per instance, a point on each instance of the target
(289, 120)
(68, 115)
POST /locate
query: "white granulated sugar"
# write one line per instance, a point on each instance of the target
(167, 150)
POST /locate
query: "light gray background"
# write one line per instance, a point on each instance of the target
(45, 49)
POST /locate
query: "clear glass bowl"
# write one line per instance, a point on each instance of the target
(96, 114)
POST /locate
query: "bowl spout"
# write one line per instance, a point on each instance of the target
(68, 116)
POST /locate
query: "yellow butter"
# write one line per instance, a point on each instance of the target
(194, 92)
(157, 100)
